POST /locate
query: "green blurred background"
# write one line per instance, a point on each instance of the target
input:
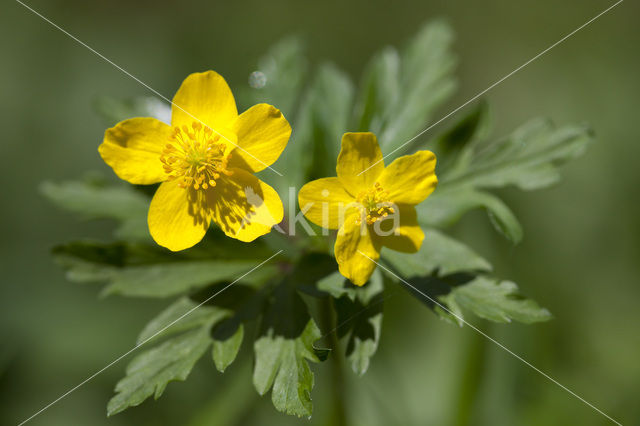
(579, 257)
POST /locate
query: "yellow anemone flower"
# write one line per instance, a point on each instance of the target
(371, 205)
(205, 160)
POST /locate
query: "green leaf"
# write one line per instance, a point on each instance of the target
(284, 346)
(170, 279)
(438, 253)
(182, 315)
(472, 127)
(495, 300)
(148, 271)
(426, 82)
(363, 314)
(432, 291)
(150, 372)
(337, 286)
(226, 350)
(445, 207)
(114, 110)
(98, 201)
(281, 364)
(528, 159)
(364, 340)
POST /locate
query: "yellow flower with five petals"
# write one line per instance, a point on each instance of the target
(371, 205)
(205, 162)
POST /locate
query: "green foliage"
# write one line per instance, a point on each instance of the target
(444, 208)
(495, 300)
(401, 91)
(281, 364)
(96, 200)
(218, 302)
(438, 253)
(225, 350)
(180, 316)
(285, 343)
(360, 320)
(527, 159)
(150, 371)
(160, 276)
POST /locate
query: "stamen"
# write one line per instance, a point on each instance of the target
(374, 205)
(195, 156)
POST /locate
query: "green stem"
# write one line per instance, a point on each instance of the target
(470, 380)
(339, 414)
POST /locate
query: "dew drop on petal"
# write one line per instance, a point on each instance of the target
(257, 80)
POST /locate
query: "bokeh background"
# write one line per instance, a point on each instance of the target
(579, 258)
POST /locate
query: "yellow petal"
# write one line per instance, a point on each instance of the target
(354, 250)
(133, 147)
(406, 237)
(178, 217)
(263, 133)
(325, 202)
(411, 178)
(359, 162)
(243, 206)
(204, 97)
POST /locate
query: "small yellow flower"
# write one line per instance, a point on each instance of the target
(205, 160)
(370, 209)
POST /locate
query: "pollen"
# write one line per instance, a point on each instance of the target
(195, 156)
(374, 205)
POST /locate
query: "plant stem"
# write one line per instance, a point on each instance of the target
(338, 415)
(470, 380)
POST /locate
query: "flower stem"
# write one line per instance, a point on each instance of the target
(470, 380)
(338, 415)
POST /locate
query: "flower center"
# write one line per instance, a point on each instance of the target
(374, 204)
(196, 157)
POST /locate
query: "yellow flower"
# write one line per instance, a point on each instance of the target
(205, 160)
(371, 205)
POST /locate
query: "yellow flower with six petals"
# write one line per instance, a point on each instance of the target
(371, 205)
(205, 160)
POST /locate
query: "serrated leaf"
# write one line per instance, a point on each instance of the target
(94, 201)
(180, 316)
(114, 110)
(363, 315)
(495, 300)
(438, 253)
(445, 207)
(527, 159)
(364, 343)
(426, 82)
(150, 372)
(284, 347)
(226, 350)
(432, 291)
(281, 364)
